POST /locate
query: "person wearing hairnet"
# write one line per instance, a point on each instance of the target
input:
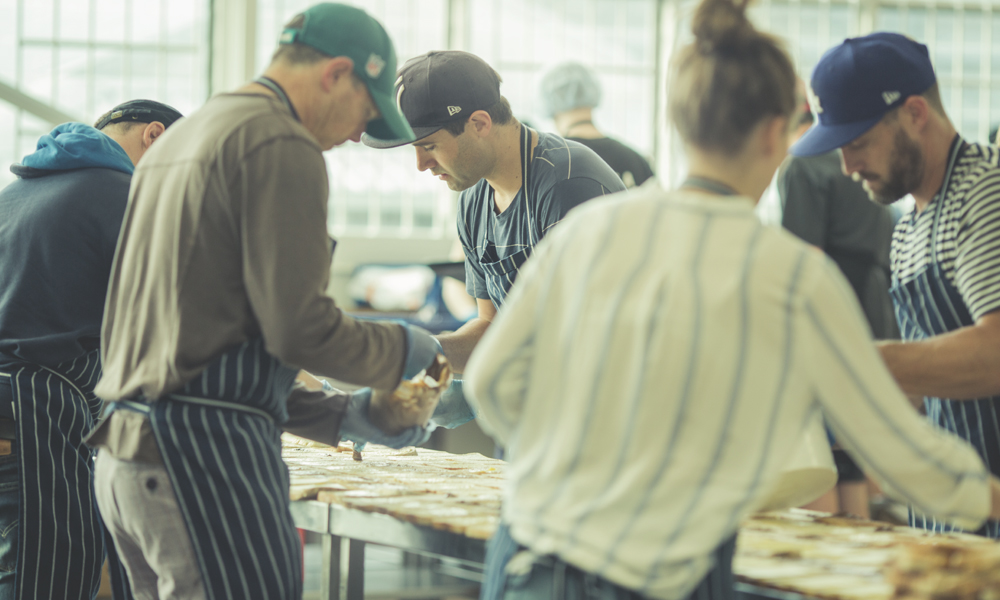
(570, 92)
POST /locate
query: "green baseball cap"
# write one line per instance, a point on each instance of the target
(341, 30)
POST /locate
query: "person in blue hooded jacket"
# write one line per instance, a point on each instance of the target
(59, 224)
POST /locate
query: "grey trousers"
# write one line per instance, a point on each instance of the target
(139, 508)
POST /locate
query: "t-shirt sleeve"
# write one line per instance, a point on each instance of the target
(977, 264)
(645, 170)
(475, 276)
(567, 195)
(804, 211)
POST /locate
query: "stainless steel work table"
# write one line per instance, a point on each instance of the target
(352, 501)
(345, 532)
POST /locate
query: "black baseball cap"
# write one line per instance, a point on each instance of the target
(857, 83)
(139, 111)
(439, 88)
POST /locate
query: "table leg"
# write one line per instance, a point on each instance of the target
(329, 583)
(354, 550)
(343, 575)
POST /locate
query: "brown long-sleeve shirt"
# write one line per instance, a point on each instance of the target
(225, 240)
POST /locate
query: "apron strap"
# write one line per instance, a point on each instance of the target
(957, 145)
(221, 404)
(279, 91)
(525, 171)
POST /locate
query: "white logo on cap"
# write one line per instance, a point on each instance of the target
(814, 101)
(374, 66)
(890, 97)
(399, 95)
(454, 110)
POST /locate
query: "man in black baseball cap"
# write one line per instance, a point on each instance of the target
(60, 226)
(515, 183)
(136, 123)
(139, 111)
(877, 99)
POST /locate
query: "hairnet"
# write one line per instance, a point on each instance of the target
(567, 86)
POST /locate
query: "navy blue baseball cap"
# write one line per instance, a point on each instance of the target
(438, 88)
(856, 83)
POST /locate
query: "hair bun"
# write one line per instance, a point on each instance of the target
(721, 25)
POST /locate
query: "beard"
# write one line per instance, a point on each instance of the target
(468, 168)
(906, 171)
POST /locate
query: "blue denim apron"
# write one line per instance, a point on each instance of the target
(501, 272)
(928, 305)
(61, 539)
(219, 438)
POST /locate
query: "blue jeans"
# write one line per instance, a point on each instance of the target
(549, 578)
(9, 500)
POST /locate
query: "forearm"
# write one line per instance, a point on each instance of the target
(994, 498)
(458, 345)
(961, 365)
(314, 413)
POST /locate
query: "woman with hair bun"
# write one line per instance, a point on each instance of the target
(663, 355)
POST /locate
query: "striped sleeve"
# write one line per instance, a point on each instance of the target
(977, 264)
(869, 415)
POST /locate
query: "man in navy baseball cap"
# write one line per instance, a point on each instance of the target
(876, 98)
(859, 91)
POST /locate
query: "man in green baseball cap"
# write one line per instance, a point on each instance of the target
(340, 30)
(217, 309)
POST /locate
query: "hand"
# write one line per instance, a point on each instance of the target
(358, 427)
(413, 402)
(994, 498)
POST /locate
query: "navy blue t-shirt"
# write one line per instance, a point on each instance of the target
(561, 175)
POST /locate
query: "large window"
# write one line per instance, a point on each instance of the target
(616, 38)
(84, 56)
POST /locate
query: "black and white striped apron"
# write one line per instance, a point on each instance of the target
(928, 305)
(501, 272)
(219, 438)
(61, 539)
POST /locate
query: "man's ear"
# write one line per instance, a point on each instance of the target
(335, 69)
(481, 123)
(151, 133)
(915, 112)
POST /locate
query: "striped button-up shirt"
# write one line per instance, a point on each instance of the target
(654, 369)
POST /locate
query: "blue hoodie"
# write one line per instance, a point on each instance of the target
(59, 224)
(78, 146)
